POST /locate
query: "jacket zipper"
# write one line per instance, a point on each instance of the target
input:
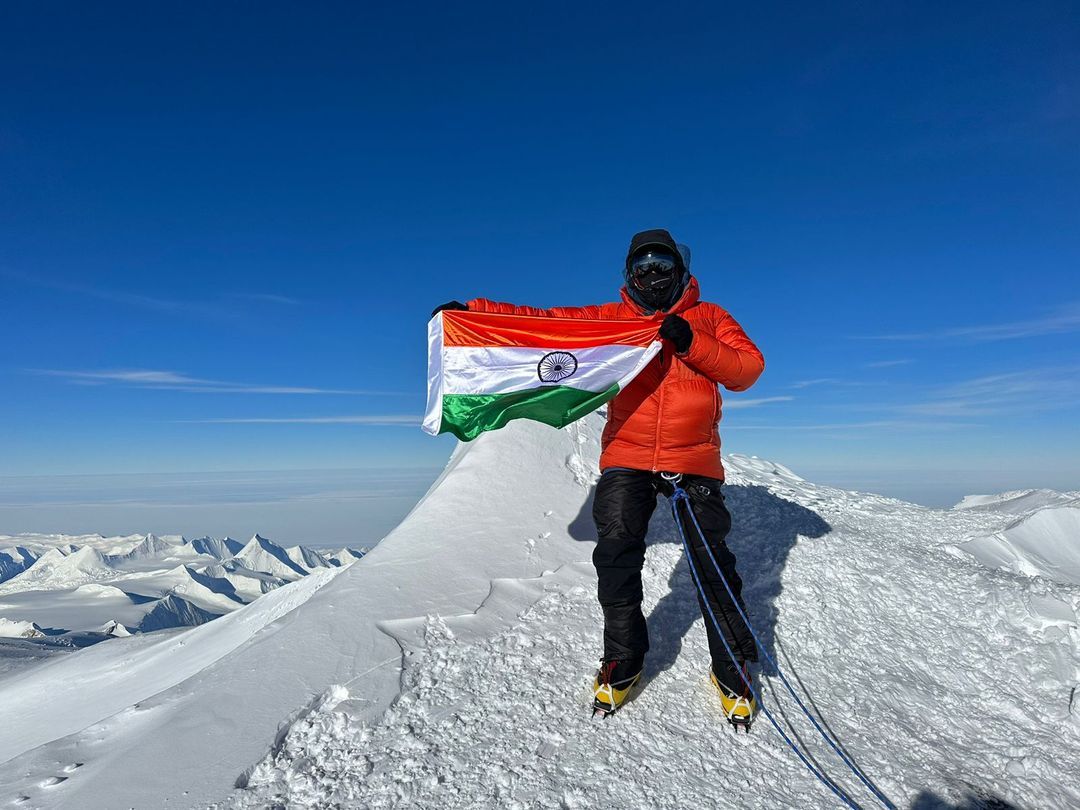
(659, 412)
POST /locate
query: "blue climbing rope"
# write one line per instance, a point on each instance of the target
(679, 496)
(757, 697)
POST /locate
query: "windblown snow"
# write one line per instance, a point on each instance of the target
(450, 666)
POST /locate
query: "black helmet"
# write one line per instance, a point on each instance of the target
(656, 272)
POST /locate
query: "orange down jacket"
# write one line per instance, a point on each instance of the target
(666, 418)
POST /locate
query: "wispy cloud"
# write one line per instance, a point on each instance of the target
(736, 404)
(388, 420)
(267, 298)
(177, 381)
(817, 381)
(875, 424)
(1062, 320)
(225, 306)
(834, 381)
(1017, 392)
(888, 363)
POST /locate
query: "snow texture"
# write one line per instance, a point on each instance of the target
(1043, 543)
(450, 666)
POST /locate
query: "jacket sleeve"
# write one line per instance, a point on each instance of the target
(593, 311)
(727, 356)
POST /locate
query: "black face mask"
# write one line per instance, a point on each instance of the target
(653, 279)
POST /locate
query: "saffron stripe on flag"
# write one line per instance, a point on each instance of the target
(464, 328)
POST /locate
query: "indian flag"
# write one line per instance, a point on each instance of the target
(485, 369)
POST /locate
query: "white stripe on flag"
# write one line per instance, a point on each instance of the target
(433, 414)
(506, 369)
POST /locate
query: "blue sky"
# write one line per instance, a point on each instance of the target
(222, 228)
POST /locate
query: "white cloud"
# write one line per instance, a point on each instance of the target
(817, 381)
(887, 363)
(1063, 320)
(731, 404)
(1016, 392)
(876, 424)
(388, 420)
(222, 306)
(178, 381)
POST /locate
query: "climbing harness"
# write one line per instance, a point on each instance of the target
(678, 496)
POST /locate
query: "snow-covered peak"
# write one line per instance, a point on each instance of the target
(307, 558)
(345, 556)
(261, 554)
(740, 469)
(14, 560)
(1017, 502)
(16, 629)
(221, 549)
(152, 546)
(115, 629)
(56, 570)
(174, 611)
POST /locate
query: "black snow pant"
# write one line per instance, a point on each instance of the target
(625, 500)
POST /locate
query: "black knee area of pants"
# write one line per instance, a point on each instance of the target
(624, 502)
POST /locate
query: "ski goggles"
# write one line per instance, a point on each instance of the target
(652, 270)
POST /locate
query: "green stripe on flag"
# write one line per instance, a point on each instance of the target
(469, 415)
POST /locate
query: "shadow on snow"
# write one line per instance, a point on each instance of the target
(764, 529)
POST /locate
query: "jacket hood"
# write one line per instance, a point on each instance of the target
(657, 237)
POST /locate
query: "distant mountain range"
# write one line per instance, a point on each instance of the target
(77, 590)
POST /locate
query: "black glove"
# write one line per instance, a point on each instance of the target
(449, 305)
(678, 331)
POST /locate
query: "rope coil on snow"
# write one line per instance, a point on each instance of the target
(679, 496)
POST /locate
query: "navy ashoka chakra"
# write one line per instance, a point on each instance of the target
(556, 366)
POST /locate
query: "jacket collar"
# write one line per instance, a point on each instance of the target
(689, 297)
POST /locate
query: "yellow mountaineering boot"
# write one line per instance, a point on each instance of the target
(613, 683)
(739, 706)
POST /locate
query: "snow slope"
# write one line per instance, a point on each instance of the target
(1044, 543)
(449, 667)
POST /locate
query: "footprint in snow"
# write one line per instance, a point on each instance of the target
(52, 781)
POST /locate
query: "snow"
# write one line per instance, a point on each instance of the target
(75, 585)
(174, 611)
(10, 629)
(1043, 543)
(14, 561)
(210, 593)
(345, 556)
(59, 570)
(1018, 502)
(449, 667)
(262, 555)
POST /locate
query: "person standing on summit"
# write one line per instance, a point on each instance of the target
(665, 420)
